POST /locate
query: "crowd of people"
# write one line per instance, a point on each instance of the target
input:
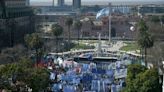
(71, 76)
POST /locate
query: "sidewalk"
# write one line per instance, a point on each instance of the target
(116, 46)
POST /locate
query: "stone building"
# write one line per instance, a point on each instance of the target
(16, 20)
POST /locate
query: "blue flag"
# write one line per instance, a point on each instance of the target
(102, 13)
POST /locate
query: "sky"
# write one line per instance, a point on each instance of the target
(96, 1)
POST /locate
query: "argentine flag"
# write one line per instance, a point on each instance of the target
(103, 12)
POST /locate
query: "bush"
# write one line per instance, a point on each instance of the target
(141, 79)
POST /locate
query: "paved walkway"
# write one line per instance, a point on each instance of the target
(113, 48)
(116, 46)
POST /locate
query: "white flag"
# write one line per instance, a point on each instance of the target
(102, 13)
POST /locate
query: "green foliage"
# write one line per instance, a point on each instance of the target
(130, 47)
(24, 72)
(155, 19)
(57, 30)
(149, 81)
(140, 79)
(145, 39)
(33, 41)
(38, 79)
(15, 68)
(133, 70)
(12, 54)
(82, 46)
(142, 27)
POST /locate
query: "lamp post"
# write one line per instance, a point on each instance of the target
(110, 17)
(132, 29)
(99, 45)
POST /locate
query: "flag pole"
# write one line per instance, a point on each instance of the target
(109, 18)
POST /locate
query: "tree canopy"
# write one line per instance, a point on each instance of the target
(57, 30)
(33, 41)
(145, 39)
(21, 74)
(141, 79)
(155, 19)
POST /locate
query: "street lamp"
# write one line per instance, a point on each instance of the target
(132, 29)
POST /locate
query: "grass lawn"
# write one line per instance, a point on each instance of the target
(82, 46)
(130, 46)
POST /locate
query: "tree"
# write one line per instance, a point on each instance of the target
(155, 19)
(141, 79)
(57, 30)
(23, 73)
(38, 79)
(145, 39)
(14, 54)
(78, 26)
(34, 42)
(69, 22)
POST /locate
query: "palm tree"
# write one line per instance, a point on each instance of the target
(69, 22)
(145, 40)
(34, 42)
(57, 30)
(78, 26)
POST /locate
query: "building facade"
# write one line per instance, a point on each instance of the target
(151, 10)
(60, 3)
(16, 20)
(76, 4)
(15, 9)
(27, 2)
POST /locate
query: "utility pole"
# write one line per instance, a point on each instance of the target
(99, 45)
(110, 11)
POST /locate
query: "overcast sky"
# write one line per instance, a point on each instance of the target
(49, 2)
(95, 0)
